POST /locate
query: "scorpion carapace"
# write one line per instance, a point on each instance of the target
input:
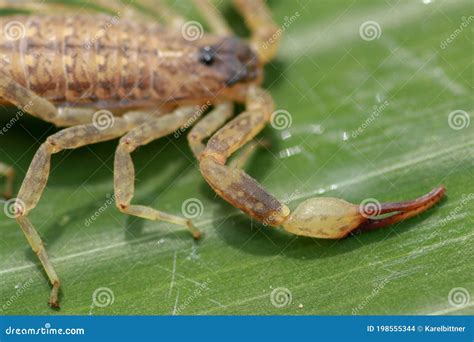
(67, 60)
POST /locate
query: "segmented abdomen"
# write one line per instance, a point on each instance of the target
(84, 59)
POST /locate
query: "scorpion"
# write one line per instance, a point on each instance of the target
(150, 78)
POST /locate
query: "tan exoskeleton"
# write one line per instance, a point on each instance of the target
(66, 69)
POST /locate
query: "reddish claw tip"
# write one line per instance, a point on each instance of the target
(54, 304)
(400, 210)
(53, 299)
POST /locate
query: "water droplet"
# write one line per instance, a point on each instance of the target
(438, 71)
(317, 129)
(285, 135)
(290, 151)
(193, 255)
(64, 220)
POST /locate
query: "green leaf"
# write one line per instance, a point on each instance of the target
(370, 119)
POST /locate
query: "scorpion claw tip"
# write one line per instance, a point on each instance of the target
(54, 304)
(400, 211)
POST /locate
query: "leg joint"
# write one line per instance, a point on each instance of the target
(212, 156)
(122, 206)
(193, 136)
(128, 144)
(51, 145)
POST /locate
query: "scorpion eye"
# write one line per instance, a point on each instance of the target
(206, 56)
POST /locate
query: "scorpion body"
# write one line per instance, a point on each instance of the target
(75, 61)
(61, 69)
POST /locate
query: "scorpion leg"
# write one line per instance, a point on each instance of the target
(9, 173)
(208, 125)
(159, 9)
(45, 7)
(247, 152)
(37, 177)
(328, 218)
(212, 15)
(124, 172)
(25, 5)
(264, 36)
(25, 99)
(35, 105)
(111, 8)
(70, 116)
(120, 9)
